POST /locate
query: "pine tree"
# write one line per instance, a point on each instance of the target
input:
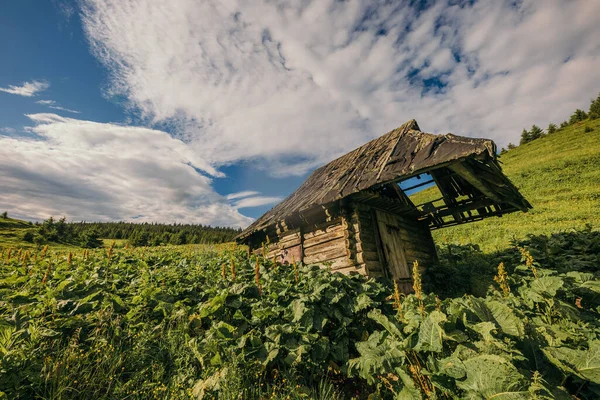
(525, 137)
(551, 128)
(594, 112)
(535, 133)
(578, 116)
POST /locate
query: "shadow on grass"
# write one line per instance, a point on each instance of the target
(464, 269)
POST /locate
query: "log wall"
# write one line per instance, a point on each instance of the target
(350, 242)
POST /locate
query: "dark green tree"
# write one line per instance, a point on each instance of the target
(535, 133)
(525, 137)
(29, 236)
(551, 128)
(90, 239)
(594, 112)
(5, 215)
(578, 116)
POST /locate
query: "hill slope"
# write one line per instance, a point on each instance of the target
(12, 231)
(560, 176)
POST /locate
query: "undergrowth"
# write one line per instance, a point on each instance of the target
(174, 323)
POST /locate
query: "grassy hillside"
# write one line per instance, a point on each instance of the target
(560, 176)
(12, 231)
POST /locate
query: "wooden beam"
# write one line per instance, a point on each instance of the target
(470, 176)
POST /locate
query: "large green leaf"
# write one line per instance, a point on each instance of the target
(431, 333)
(583, 363)
(391, 327)
(492, 377)
(505, 318)
(547, 285)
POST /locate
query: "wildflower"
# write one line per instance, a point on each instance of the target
(528, 258)
(257, 277)
(232, 269)
(416, 275)
(502, 279)
(69, 258)
(397, 300)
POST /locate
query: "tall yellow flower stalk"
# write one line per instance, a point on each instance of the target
(232, 269)
(501, 279)
(417, 287)
(398, 300)
(528, 260)
(257, 277)
(110, 250)
(69, 258)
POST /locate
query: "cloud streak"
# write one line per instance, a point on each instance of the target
(52, 104)
(27, 89)
(291, 85)
(101, 171)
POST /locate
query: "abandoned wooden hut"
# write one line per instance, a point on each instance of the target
(353, 215)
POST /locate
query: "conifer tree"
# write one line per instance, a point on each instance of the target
(594, 112)
(578, 116)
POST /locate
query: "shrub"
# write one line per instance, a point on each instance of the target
(588, 129)
(29, 236)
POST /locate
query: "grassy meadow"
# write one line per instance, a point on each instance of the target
(516, 317)
(560, 176)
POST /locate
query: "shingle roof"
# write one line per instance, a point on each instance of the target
(401, 153)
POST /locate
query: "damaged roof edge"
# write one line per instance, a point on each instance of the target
(397, 155)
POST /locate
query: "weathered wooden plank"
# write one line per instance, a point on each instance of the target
(356, 269)
(331, 253)
(284, 244)
(339, 263)
(365, 246)
(323, 238)
(367, 256)
(326, 247)
(316, 231)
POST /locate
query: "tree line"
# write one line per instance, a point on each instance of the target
(535, 132)
(88, 234)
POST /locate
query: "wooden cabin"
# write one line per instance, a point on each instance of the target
(353, 215)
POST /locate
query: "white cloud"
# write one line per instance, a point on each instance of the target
(52, 104)
(256, 201)
(101, 171)
(27, 89)
(291, 85)
(46, 102)
(8, 130)
(239, 195)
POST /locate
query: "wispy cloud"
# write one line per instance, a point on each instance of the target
(239, 195)
(101, 171)
(291, 85)
(27, 89)
(46, 102)
(8, 130)
(52, 104)
(256, 201)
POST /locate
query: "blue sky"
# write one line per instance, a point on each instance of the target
(211, 112)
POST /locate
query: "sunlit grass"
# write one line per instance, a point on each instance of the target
(559, 175)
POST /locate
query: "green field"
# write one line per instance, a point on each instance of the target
(560, 176)
(519, 320)
(182, 323)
